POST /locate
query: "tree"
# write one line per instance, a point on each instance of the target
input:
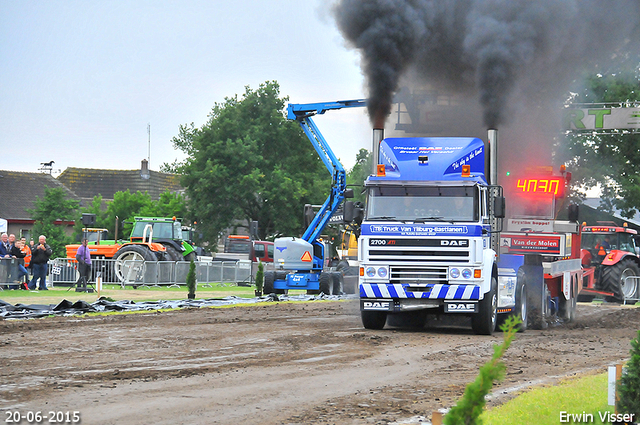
(359, 173)
(248, 162)
(53, 207)
(609, 160)
(629, 386)
(126, 206)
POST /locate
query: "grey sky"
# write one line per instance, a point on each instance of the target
(80, 80)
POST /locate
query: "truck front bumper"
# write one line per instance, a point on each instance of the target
(429, 291)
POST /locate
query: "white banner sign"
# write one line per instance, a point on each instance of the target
(602, 118)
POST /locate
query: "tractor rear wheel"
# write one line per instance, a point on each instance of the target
(614, 279)
(173, 254)
(126, 264)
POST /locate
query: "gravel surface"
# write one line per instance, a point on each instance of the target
(280, 363)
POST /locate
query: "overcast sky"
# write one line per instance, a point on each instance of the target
(81, 80)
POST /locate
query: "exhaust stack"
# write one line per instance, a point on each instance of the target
(493, 156)
(378, 135)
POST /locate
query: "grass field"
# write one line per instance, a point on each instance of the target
(581, 396)
(115, 292)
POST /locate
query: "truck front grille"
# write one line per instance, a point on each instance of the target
(417, 275)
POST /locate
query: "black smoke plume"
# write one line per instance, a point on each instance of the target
(499, 51)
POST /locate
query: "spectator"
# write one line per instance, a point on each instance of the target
(17, 253)
(5, 254)
(84, 265)
(27, 259)
(40, 258)
(5, 250)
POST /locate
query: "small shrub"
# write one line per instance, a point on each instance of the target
(191, 280)
(469, 408)
(629, 386)
(260, 277)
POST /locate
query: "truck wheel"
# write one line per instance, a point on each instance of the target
(267, 283)
(521, 306)
(614, 280)
(337, 280)
(373, 319)
(568, 307)
(189, 257)
(484, 322)
(326, 283)
(127, 271)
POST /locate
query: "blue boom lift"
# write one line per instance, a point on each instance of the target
(299, 261)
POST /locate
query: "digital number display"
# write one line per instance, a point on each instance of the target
(554, 186)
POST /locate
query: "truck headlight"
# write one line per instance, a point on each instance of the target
(466, 273)
(454, 273)
(371, 271)
(382, 272)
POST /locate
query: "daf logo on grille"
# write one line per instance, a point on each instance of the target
(454, 242)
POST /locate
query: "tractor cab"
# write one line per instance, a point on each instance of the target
(607, 240)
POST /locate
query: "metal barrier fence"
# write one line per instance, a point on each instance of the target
(634, 296)
(63, 272)
(8, 272)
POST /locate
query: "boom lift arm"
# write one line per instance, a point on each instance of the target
(303, 113)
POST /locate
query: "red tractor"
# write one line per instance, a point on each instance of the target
(612, 252)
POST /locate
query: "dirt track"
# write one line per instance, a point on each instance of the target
(310, 363)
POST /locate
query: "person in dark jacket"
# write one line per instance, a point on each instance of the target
(5, 250)
(39, 258)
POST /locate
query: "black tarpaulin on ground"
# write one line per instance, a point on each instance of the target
(68, 308)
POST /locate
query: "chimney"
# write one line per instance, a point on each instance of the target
(493, 156)
(378, 135)
(144, 169)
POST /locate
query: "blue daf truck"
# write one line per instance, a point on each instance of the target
(431, 241)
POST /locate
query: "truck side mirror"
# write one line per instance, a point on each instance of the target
(499, 207)
(573, 212)
(348, 193)
(348, 211)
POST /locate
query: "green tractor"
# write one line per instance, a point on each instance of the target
(168, 232)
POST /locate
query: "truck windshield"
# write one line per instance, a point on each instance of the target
(423, 203)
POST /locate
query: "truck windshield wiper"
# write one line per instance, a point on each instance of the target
(424, 219)
(383, 217)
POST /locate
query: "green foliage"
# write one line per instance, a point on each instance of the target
(542, 405)
(54, 206)
(191, 278)
(126, 206)
(629, 386)
(469, 408)
(609, 160)
(359, 173)
(250, 163)
(260, 276)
